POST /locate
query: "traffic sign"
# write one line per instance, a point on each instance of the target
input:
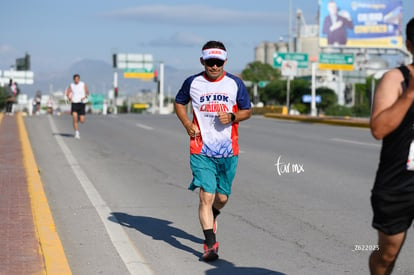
(140, 106)
(20, 77)
(247, 83)
(336, 61)
(263, 84)
(143, 73)
(355, 77)
(97, 101)
(308, 99)
(289, 68)
(18, 74)
(133, 61)
(301, 58)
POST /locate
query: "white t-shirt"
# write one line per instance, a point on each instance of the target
(78, 91)
(227, 94)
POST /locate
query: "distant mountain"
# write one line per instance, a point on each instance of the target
(98, 75)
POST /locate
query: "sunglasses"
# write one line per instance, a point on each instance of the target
(213, 61)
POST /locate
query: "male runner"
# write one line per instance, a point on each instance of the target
(220, 101)
(78, 94)
(392, 198)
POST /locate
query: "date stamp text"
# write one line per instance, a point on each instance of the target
(365, 247)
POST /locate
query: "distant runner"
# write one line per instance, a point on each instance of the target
(78, 94)
(392, 198)
(37, 101)
(220, 101)
(12, 91)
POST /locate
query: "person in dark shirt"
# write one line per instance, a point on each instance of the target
(392, 198)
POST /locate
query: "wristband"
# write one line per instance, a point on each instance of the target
(233, 117)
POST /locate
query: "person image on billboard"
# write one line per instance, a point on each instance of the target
(336, 24)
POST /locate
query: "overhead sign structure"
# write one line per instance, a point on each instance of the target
(289, 68)
(20, 77)
(361, 24)
(143, 73)
(355, 77)
(134, 61)
(301, 58)
(336, 62)
(135, 65)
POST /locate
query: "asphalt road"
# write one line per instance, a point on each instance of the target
(120, 201)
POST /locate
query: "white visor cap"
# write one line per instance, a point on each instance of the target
(214, 53)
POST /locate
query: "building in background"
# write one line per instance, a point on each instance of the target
(374, 38)
(265, 51)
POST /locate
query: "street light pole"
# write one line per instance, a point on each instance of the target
(289, 50)
(290, 27)
(313, 100)
(288, 94)
(115, 84)
(161, 98)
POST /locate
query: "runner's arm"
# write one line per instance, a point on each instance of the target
(181, 112)
(68, 91)
(225, 118)
(390, 104)
(86, 91)
(243, 115)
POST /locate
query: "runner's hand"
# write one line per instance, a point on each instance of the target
(225, 118)
(192, 130)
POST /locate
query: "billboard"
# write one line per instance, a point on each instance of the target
(361, 23)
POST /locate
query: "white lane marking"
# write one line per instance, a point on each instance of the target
(132, 258)
(143, 126)
(355, 142)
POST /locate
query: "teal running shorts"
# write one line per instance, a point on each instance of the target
(214, 175)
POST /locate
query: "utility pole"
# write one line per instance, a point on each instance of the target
(313, 100)
(115, 109)
(161, 98)
(290, 27)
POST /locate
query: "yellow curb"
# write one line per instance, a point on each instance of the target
(1, 117)
(50, 245)
(324, 120)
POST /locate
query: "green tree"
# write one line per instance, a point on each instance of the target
(299, 88)
(3, 98)
(328, 98)
(361, 94)
(337, 110)
(362, 100)
(258, 71)
(274, 93)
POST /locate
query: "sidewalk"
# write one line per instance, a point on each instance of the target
(29, 242)
(19, 246)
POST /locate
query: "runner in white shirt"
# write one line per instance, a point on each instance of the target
(220, 101)
(78, 94)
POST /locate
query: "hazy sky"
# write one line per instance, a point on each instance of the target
(59, 33)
